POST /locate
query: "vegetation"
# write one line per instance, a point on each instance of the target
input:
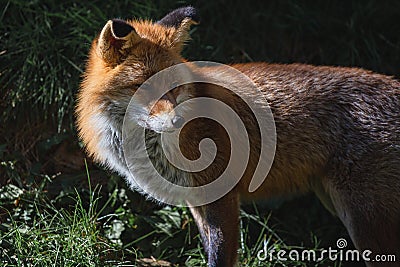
(54, 213)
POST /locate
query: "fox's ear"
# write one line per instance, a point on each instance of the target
(181, 19)
(115, 38)
(175, 18)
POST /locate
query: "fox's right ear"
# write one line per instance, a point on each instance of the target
(115, 38)
(180, 19)
(176, 17)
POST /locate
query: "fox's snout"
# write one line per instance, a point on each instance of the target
(162, 115)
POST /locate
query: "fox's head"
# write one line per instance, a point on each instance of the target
(121, 59)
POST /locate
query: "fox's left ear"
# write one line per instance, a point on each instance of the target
(181, 19)
(116, 37)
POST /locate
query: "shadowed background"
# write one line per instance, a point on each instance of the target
(43, 48)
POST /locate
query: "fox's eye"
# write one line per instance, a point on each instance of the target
(136, 85)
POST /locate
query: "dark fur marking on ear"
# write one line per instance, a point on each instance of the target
(120, 28)
(174, 18)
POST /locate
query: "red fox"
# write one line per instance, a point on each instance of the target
(337, 133)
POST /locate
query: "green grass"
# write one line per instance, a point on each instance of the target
(56, 238)
(37, 233)
(102, 227)
(76, 229)
(49, 216)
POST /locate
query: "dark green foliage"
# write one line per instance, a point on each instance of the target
(43, 48)
(352, 33)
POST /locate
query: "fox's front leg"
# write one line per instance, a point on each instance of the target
(218, 224)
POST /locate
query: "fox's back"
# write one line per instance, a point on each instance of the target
(329, 120)
(351, 99)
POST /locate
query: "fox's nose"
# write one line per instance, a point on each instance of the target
(177, 121)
